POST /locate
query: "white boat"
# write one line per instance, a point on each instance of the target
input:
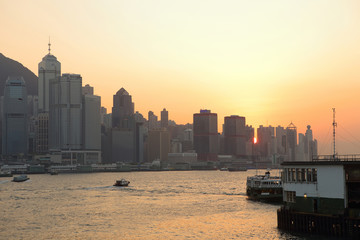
(20, 178)
(121, 183)
(264, 187)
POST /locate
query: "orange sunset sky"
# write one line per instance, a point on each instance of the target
(271, 61)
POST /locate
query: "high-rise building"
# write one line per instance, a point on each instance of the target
(280, 140)
(291, 142)
(14, 119)
(164, 118)
(65, 123)
(235, 135)
(91, 122)
(152, 120)
(158, 144)
(87, 90)
(49, 69)
(266, 141)
(206, 135)
(123, 108)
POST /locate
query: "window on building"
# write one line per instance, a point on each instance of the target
(308, 175)
(302, 175)
(290, 196)
(314, 175)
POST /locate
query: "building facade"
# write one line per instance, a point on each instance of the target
(15, 119)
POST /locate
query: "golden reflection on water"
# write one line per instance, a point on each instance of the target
(157, 205)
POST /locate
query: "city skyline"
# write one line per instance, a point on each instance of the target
(273, 63)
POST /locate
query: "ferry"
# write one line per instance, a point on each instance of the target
(264, 188)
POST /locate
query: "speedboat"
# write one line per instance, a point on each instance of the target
(21, 178)
(121, 183)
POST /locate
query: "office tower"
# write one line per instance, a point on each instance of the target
(91, 122)
(103, 112)
(310, 147)
(235, 135)
(65, 122)
(291, 142)
(250, 133)
(49, 69)
(164, 118)
(300, 149)
(206, 135)
(123, 107)
(265, 141)
(280, 140)
(158, 145)
(14, 118)
(152, 120)
(87, 90)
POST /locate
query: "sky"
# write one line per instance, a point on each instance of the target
(274, 62)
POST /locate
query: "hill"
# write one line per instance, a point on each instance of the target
(9, 67)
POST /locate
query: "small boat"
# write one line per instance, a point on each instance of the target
(121, 183)
(21, 178)
(54, 173)
(264, 188)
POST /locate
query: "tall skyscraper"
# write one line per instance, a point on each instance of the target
(49, 69)
(291, 142)
(158, 145)
(14, 119)
(91, 122)
(65, 124)
(123, 108)
(164, 118)
(266, 141)
(152, 120)
(235, 135)
(206, 135)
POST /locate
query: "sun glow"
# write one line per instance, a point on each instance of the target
(255, 140)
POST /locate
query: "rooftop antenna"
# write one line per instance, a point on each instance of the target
(334, 126)
(49, 45)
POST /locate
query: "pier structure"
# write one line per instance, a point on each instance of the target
(322, 196)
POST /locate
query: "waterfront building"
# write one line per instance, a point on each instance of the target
(164, 118)
(234, 135)
(123, 107)
(206, 135)
(322, 196)
(65, 122)
(158, 145)
(14, 118)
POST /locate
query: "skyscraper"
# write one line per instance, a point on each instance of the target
(235, 135)
(65, 124)
(123, 108)
(206, 135)
(49, 69)
(164, 118)
(291, 142)
(14, 119)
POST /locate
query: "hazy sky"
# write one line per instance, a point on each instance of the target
(271, 61)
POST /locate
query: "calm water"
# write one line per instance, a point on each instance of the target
(156, 205)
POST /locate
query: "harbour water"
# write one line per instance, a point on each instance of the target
(156, 205)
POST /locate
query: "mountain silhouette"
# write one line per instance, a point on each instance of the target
(9, 67)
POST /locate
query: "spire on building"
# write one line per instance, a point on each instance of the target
(49, 46)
